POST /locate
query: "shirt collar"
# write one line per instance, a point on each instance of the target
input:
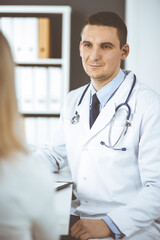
(105, 93)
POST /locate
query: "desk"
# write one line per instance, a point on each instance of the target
(63, 202)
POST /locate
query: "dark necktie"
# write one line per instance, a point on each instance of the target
(94, 111)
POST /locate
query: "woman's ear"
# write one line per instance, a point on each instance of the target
(124, 51)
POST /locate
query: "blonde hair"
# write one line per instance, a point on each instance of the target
(10, 141)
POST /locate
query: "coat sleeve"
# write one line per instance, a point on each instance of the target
(144, 209)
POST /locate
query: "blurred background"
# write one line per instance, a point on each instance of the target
(63, 62)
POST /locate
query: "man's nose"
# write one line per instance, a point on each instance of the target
(95, 54)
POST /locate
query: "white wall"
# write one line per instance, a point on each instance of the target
(143, 22)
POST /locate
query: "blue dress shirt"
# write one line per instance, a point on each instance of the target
(105, 93)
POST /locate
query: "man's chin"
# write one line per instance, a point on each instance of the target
(94, 76)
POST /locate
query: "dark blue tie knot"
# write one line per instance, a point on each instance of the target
(95, 100)
(94, 111)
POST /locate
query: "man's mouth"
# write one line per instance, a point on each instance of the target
(95, 65)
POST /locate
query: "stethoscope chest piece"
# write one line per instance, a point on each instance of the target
(75, 118)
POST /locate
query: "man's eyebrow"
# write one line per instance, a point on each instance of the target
(85, 41)
(102, 43)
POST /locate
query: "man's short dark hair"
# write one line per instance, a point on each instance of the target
(110, 19)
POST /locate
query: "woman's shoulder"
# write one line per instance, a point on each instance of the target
(27, 170)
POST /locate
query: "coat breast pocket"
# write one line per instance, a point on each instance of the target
(117, 136)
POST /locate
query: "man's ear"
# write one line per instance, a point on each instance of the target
(80, 51)
(124, 51)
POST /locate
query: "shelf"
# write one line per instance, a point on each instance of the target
(40, 114)
(35, 9)
(41, 61)
(41, 83)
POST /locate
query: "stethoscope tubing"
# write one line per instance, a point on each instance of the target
(76, 117)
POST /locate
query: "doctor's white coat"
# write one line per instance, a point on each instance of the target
(122, 184)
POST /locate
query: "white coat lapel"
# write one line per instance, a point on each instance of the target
(103, 118)
(108, 111)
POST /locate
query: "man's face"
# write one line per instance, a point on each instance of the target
(101, 53)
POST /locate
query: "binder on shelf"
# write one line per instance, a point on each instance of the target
(40, 89)
(31, 38)
(43, 130)
(7, 29)
(19, 38)
(52, 123)
(55, 88)
(22, 35)
(44, 37)
(30, 131)
(27, 91)
(39, 131)
(18, 86)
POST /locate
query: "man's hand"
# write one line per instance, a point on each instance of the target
(90, 228)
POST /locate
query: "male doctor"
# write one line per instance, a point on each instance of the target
(109, 135)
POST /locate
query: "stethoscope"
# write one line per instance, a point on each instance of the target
(76, 118)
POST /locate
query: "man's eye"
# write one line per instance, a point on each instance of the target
(87, 45)
(106, 46)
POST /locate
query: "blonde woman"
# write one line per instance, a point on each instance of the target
(26, 188)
